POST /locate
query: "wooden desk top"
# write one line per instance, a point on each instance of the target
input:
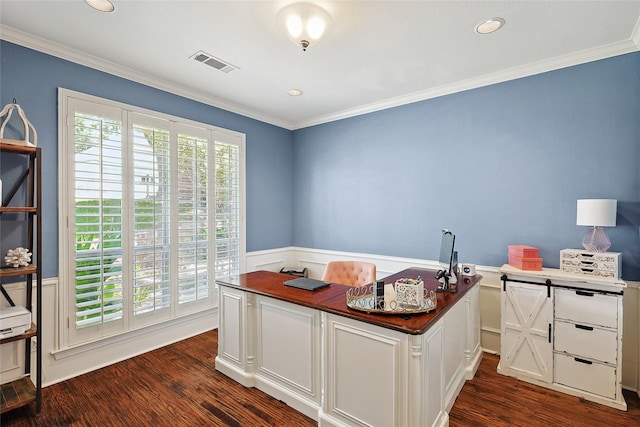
(332, 299)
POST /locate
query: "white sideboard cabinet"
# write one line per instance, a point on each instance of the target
(564, 332)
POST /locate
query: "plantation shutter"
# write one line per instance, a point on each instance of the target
(154, 210)
(98, 212)
(194, 236)
(227, 209)
(151, 206)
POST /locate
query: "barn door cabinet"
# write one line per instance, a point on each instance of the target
(564, 332)
(25, 213)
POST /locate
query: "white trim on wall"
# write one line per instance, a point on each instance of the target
(64, 52)
(635, 35)
(315, 261)
(576, 58)
(58, 366)
(63, 365)
(30, 41)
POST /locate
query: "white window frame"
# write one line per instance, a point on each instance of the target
(68, 336)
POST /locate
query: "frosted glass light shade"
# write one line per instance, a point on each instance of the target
(597, 212)
(101, 5)
(304, 23)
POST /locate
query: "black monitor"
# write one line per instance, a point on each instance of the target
(448, 262)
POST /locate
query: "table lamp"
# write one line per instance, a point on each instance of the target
(596, 213)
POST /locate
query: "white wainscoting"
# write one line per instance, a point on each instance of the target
(315, 261)
(60, 366)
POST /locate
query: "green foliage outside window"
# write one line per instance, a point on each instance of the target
(100, 279)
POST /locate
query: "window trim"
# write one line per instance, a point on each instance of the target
(65, 188)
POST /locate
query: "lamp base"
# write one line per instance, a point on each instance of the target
(596, 240)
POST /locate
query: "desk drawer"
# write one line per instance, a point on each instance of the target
(588, 376)
(586, 307)
(586, 341)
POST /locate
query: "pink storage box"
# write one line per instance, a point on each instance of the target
(525, 263)
(523, 251)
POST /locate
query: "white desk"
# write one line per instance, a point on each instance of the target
(344, 367)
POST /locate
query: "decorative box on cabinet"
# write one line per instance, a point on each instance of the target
(563, 332)
(597, 264)
(27, 388)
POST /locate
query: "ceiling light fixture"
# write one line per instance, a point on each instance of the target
(294, 92)
(489, 26)
(304, 23)
(101, 5)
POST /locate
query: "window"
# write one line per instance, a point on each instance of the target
(152, 210)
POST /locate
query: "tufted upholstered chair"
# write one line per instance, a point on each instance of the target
(351, 273)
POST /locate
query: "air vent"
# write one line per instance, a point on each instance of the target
(213, 62)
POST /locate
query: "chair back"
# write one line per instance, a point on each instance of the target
(351, 273)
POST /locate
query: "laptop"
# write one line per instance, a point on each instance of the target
(306, 283)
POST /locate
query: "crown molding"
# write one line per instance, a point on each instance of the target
(635, 34)
(589, 55)
(614, 49)
(82, 58)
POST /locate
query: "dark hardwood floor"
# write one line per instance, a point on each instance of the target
(178, 386)
(491, 399)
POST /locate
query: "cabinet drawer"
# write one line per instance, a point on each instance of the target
(586, 341)
(592, 377)
(586, 307)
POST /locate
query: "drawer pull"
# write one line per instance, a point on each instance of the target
(586, 362)
(584, 293)
(586, 328)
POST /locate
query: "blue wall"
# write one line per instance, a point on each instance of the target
(32, 78)
(498, 165)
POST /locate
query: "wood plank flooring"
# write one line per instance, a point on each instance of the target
(491, 399)
(178, 386)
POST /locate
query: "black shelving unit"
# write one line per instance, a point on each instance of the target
(25, 390)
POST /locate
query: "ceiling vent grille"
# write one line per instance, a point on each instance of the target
(213, 62)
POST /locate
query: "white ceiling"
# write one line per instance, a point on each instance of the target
(377, 54)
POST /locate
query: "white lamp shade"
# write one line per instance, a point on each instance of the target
(597, 212)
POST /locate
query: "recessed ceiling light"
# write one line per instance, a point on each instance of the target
(489, 26)
(101, 5)
(294, 92)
